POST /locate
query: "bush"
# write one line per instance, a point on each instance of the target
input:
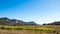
(2, 27)
(6, 28)
(18, 28)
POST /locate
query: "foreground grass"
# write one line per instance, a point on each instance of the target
(21, 32)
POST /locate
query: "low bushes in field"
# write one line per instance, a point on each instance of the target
(44, 29)
(6, 28)
(22, 28)
(11, 28)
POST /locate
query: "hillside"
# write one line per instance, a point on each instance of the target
(7, 21)
(53, 23)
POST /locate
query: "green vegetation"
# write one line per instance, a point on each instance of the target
(45, 29)
(24, 28)
(11, 28)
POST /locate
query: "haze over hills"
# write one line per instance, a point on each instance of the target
(7, 21)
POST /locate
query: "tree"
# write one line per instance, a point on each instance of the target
(44, 24)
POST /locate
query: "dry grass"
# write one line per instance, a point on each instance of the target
(18, 32)
(23, 32)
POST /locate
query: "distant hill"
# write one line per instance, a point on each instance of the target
(54, 23)
(7, 21)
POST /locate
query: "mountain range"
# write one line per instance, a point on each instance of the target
(7, 21)
(53, 23)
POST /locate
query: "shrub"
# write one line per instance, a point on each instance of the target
(18, 28)
(2, 27)
(6, 28)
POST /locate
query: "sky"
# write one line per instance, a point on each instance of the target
(39, 11)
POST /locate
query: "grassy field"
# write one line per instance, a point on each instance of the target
(54, 29)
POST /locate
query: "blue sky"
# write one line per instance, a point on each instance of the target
(40, 11)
